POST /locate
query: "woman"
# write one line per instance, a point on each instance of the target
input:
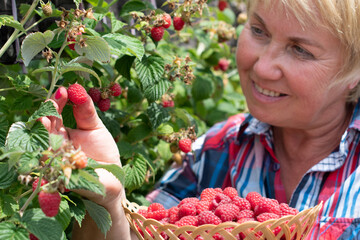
(299, 66)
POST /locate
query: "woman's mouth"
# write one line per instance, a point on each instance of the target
(268, 92)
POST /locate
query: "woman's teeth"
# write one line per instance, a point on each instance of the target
(267, 92)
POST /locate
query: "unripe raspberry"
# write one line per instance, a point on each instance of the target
(104, 104)
(79, 159)
(47, 9)
(95, 94)
(115, 89)
(178, 23)
(77, 94)
(49, 203)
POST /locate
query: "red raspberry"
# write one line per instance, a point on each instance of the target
(227, 212)
(192, 200)
(167, 19)
(208, 194)
(242, 203)
(35, 183)
(208, 217)
(188, 221)
(168, 103)
(95, 94)
(79, 159)
(77, 94)
(157, 33)
(49, 203)
(245, 214)
(254, 198)
(223, 65)
(104, 104)
(178, 23)
(287, 210)
(115, 89)
(187, 209)
(218, 200)
(155, 207)
(267, 205)
(222, 5)
(173, 214)
(266, 216)
(185, 145)
(142, 212)
(230, 192)
(33, 237)
(72, 45)
(202, 206)
(158, 214)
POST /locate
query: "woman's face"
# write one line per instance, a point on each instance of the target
(285, 70)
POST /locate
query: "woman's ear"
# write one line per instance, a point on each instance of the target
(353, 84)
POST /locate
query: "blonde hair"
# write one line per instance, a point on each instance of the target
(341, 18)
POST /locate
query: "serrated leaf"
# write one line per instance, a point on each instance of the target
(10, 231)
(165, 129)
(202, 88)
(86, 179)
(29, 139)
(116, 170)
(77, 67)
(133, 5)
(43, 69)
(139, 132)
(64, 215)
(7, 176)
(13, 156)
(77, 211)
(34, 43)
(157, 115)
(8, 204)
(23, 103)
(28, 161)
(135, 172)
(35, 221)
(124, 64)
(20, 81)
(7, 20)
(150, 70)
(46, 109)
(116, 25)
(96, 49)
(37, 90)
(56, 141)
(4, 126)
(156, 90)
(100, 216)
(123, 44)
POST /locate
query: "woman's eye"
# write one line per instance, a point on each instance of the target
(257, 31)
(302, 52)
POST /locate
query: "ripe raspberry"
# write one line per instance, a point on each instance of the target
(173, 214)
(49, 203)
(157, 33)
(104, 104)
(33, 237)
(158, 214)
(222, 5)
(223, 65)
(208, 194)
(142, 212)
(242, 203)
(155, 207)
(72, 45)
(178, 23)
(202, 206)
(218, 200)
(208, 217)
(95, 94)
(187, 209)
(227, 212)
(35, 183)
(79, 159)
(77, 94)
(188, 221)
(254, 198)
(115, 89)
(185, 145)
(267, 205)
(245, 214)
(287, 210)
(192, 200)
(230, 192)
(169, 103)
(266, 216)
(167, 19)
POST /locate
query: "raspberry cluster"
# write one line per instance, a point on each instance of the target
(216, 206)
(101, 97)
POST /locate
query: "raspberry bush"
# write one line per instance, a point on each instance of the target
(150, 90)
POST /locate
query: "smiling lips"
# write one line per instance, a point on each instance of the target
(267, 92)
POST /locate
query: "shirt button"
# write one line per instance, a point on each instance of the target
(276, 166)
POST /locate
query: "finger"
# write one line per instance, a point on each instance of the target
(60, 97)
(46, 122)
(86, 116)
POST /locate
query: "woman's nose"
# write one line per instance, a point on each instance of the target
(268, 64)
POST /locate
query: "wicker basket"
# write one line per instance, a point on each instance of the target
(299, 224)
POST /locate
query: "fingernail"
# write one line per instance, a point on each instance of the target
(58, 94)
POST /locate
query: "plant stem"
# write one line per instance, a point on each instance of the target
(26, 204)
(14, 35)
(7, 89)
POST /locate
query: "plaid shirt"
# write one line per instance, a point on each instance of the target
(239, 152)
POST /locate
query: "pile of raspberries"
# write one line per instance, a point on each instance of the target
(216, 206)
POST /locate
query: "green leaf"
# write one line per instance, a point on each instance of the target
(100, 216)
(132, 5)
(34, 43)
(116, 170)
(123, 44)
(86, 179)
(8, 204)
(165, 129)
(56, 141)
(7, 20)
(45, 228)
(28, 161)
(156, 90)
(202, 88)
(37, 90)
(21, 81)
(4, 126)
(43, 69)
(134, 94)
(124, 64)
(7, 176)
(116, 25)
(23, 103)
(64, 215)
(77, 211)
(135, 172)
(77, 67)
(157, 115)
(29, 139)
(13, 156)
(10, 231)
(150, 70)
(46, 109)
(96, 49)
(139, 132)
